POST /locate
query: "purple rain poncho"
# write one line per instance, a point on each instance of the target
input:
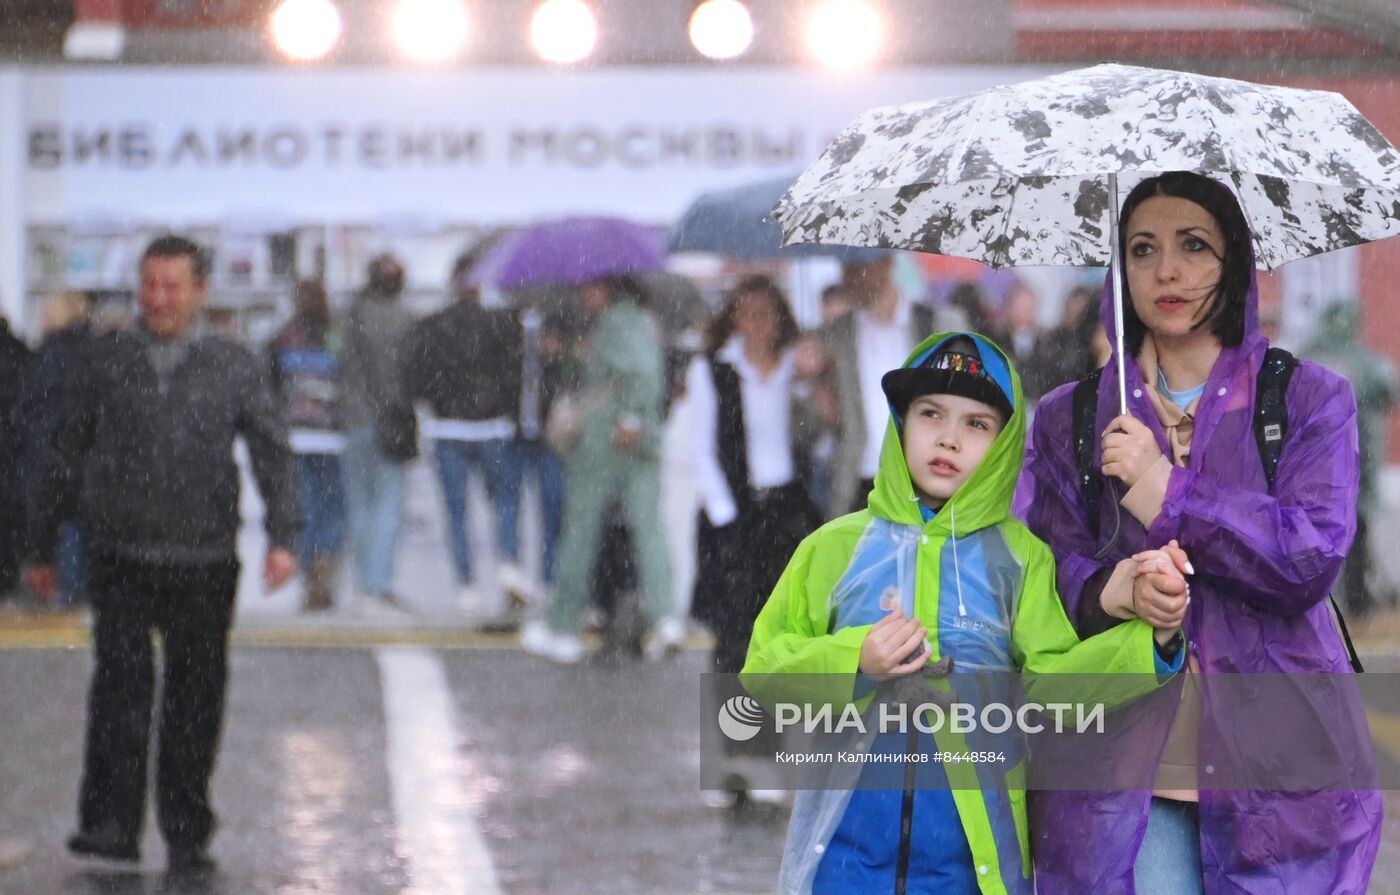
(1264, 564)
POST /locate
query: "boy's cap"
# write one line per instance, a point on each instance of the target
(954, 366)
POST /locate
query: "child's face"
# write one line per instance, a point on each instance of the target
(945, 439)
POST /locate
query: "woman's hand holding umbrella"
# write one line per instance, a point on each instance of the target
(1129, 449)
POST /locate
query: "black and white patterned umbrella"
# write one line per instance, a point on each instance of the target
(1034, 173)
(1027, 173)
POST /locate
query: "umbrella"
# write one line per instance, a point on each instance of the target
(675, 300)
(570, 251)
(1032, 173)
(734, 223)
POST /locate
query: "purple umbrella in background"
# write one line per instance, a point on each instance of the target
(570, 251)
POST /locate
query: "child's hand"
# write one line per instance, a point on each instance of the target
(895, 646)
(1163, 636)
(1167, 559)
(1160, 591)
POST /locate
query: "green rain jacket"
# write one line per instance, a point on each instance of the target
(981, 583)
(626, 372)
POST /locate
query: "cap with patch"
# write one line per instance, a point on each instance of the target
(955, 366)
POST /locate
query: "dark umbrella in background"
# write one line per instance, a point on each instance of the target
(735, 223)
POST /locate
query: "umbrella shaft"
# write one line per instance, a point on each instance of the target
(1115, 259)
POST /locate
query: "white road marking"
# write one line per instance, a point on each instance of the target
(438, 835)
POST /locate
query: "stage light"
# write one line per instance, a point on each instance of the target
(430, 30)
(721, 29)
(305, 30)
(845, 33)
(563, 31)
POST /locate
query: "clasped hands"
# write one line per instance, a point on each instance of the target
(1159, 592)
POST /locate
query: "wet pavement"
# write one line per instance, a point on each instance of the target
(581, 780)
(365, 755)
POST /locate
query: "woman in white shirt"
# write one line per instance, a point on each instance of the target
(751, 427)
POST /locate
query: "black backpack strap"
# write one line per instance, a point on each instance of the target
(1270, 432)
(1270, 410)
(1085, 404)
(1356, 665)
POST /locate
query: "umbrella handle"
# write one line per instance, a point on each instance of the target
(1115, 274)
(1114, 263)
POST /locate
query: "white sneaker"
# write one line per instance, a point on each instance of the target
(516, 584)
(534, 637)
(567, 649)
(778, 798)
(666, 639)
(471, 601)
(382, 608)
(537, 639)
(719, 799)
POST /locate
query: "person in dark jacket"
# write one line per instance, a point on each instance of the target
(1068, 352)
(542, 373)
(464, 362)
(15, 362)
(145, 450)
(67, 335)
(305, 376)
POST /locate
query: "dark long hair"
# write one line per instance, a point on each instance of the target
(722, 327)
(312, 304)
(1225, 311)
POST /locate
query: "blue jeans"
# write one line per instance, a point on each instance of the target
(537, 458)
(1169, 861)
(322, 492)
(374, 497)
(493, 459)
(72, 566)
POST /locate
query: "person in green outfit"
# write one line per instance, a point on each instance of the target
(936, 568)
(616, 460)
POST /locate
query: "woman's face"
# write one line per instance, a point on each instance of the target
(1174, 261)
(755, 320)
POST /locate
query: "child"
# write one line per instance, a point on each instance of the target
(936, 567)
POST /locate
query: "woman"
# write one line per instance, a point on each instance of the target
(749, 460)
(750, 434)
(304, 371)
(616, 460)
(1183, 465)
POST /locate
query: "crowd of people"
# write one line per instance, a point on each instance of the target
(486, 379)
(113, 437)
